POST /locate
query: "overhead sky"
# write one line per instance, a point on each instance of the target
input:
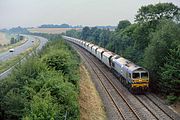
(32, 13)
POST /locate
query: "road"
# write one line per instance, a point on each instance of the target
(43, 41)
(19, 49)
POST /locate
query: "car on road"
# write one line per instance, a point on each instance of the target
(11, 50)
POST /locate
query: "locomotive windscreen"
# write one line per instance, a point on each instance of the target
(144, 75)
(136, 75)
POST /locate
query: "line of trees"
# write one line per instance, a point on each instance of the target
(153, 41)
(44, 87)
(16, 39)
(59, 26)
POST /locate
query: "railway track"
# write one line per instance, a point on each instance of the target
(155, 111)
(161, 106)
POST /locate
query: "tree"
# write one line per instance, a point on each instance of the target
(104, 37)
(73, 33)
(95, 35)
(166, 37)
(131, 41)
(85, 33)
(141, 36)
(13, 40)
(156, 12)
(123, 24)
(170, 82)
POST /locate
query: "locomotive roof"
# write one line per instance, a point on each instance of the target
(115, 56)
(130, 66)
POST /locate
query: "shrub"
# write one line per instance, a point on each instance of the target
(171, 99)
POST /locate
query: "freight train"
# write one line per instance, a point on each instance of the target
(134, 77)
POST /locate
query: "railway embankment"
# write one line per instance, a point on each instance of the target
(91, 106)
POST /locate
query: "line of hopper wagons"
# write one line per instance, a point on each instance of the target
(134, 77)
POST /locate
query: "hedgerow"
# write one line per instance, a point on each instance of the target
(44, 87)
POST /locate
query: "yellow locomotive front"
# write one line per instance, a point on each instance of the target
(140, 81)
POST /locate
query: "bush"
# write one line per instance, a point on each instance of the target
(171, 99)
(58, 60)
(62, 58)
(42, 107)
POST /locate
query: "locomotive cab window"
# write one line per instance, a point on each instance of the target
(136, 75)
(144, 75)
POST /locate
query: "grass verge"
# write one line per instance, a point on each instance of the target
(91, 107)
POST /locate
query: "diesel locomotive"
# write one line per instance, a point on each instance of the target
(134, 77)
